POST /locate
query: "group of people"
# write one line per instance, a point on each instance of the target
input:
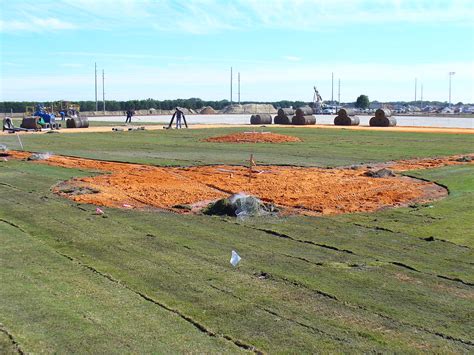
(178, 114)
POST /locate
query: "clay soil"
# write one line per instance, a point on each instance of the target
(253, 137)
(296, 189)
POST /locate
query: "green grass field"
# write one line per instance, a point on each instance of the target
(399, 280)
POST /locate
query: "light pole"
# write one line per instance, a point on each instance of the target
(416, 82)
(332, 88)
(451, 73)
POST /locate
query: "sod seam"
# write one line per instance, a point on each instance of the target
(196, 324)
(393, 320)
(10, 336)
(396, 263)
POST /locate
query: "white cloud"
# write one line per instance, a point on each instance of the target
(36, 25)
(214, 16)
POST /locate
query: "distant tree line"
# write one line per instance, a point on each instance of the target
(112, 105)
(192, 103)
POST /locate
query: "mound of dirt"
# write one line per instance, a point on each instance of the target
(208, 110)
(253, 137)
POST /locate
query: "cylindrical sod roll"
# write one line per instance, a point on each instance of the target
(263, 118)
(383, 122)
(282, 119)
(346, 121)
(303, 111)
(346, 112)
(303, 120)
(383, 112)
(286, 112)
(84, 122)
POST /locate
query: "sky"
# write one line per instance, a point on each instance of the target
(165, 49)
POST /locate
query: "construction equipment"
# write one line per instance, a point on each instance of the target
(41, 118)
(10, 127)
(67, 109)
(317, 101)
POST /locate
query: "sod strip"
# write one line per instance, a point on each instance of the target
(182, 261)
(51, 304)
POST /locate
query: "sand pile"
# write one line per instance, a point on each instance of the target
(253, 137)
(295, 189)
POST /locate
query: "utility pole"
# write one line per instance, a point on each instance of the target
(421, 99)
(339, 92)
(239, 88)
(231, 86)
(103, 90)
(96, 105)
(332, 88)
(416, 82)
(451, 73)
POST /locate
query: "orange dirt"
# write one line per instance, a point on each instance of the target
(428, 163)
(306, 190)
(253, 137)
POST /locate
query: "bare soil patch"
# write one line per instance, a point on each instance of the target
(311, 191)
(253, 137)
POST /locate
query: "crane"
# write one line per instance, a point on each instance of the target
(317, 101)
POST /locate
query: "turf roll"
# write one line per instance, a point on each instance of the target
(382, 113)
(346, 112)
(282, 119)
(84, 122)
(263, 118)
(341, 120)
(303, 111)
(303, 120)
(383, 122)
(287, 111)
(77, 122)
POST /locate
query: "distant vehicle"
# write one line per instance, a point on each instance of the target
(329, 111)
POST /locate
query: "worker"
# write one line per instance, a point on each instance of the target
(129, 116)
(179, 116)
(63, 115)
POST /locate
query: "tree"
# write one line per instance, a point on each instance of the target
(362, 101)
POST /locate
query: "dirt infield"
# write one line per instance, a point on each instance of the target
(296, 189)
(253, 137)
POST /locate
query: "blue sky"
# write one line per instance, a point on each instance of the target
(181, 49)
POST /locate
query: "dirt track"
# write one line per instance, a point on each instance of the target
(203, 126)
(303, 190)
